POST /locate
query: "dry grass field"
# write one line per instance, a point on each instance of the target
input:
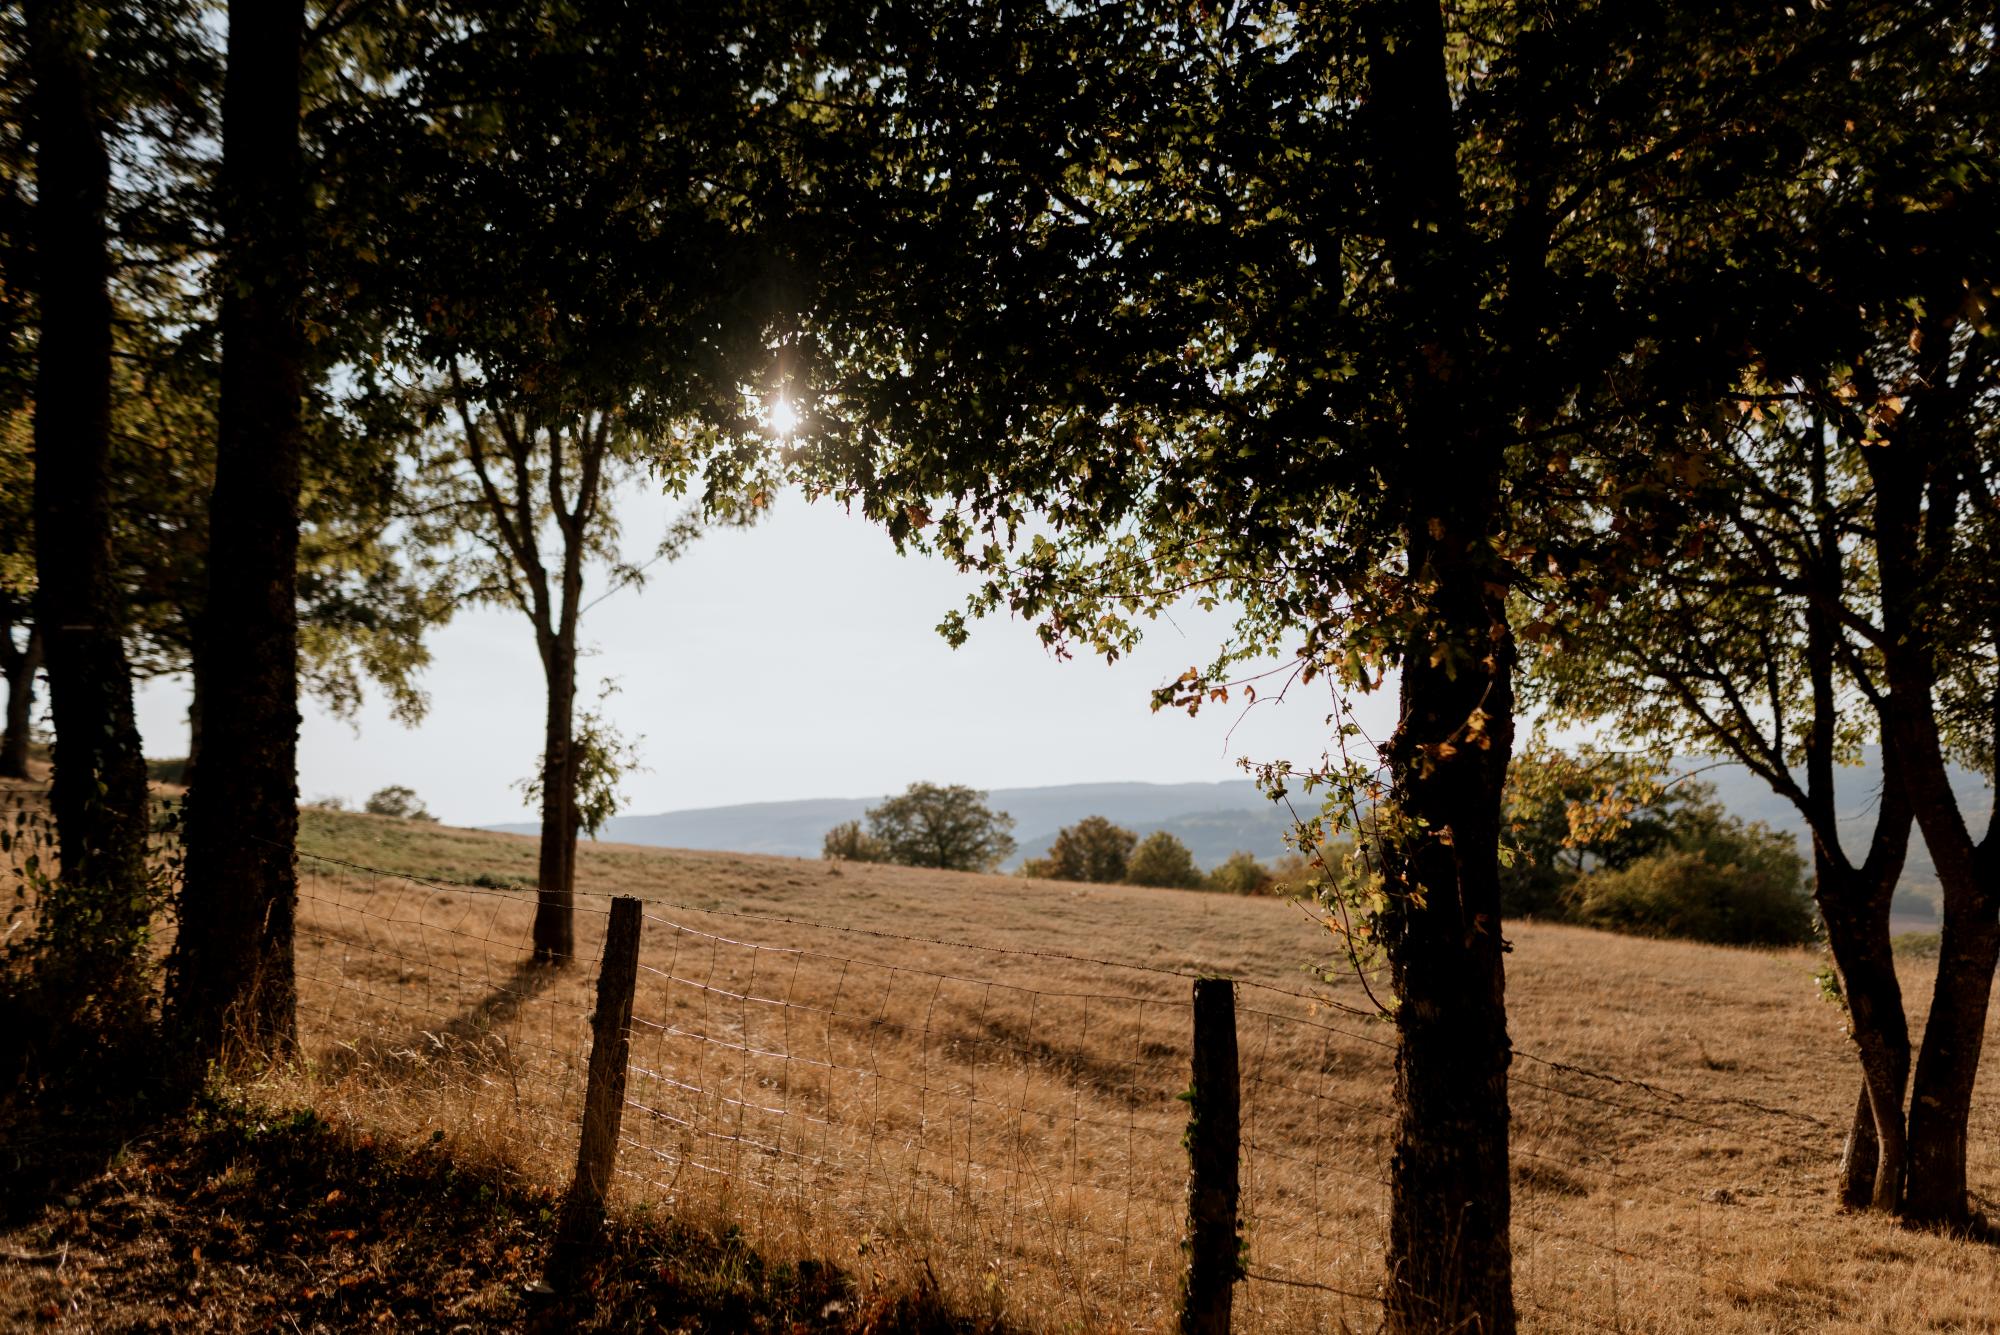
(1010, 1118)
(823, 1061)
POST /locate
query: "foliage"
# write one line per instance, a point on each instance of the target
(1093, 849)
(603, 761)
(397, 800)
(1240, 874)
(1727, 883)
(1567, 812)
(848, 842)
(1162, 860)
(949, 827)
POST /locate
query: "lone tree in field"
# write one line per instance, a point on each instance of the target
(951, 828)
(575, 289)
(1303, 309)
(397, 800)
(1093, 849)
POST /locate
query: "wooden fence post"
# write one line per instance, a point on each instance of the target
(603, 1101)
(1213, 1141)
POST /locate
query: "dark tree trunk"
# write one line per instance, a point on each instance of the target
(1948, 1066)
(22, 665)
(1450, 1259)
(1856, 910)
(555, 930)
(1914, 538)
(233, 987)
(99, 793)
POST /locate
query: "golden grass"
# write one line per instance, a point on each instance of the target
(1011, 1121)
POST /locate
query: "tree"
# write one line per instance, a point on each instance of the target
(581, 316)
(951, 828)
(397, 800)
(233, 979)
(1301, 309)
(98, 911)
(1791, 610)
(1162, 860)
(1568, 813)
(1093, 849)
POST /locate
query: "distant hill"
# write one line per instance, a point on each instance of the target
(1216, 819)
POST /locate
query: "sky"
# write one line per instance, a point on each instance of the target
(796, 659)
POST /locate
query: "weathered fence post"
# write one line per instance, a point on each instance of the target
(603, 1101)
(1213, 1135)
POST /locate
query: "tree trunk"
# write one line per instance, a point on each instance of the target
(555, 900)
(1948, 1066)
(1856, 910)
(1450, 1258)
(234, 988)
(21, 669)
(101, 907)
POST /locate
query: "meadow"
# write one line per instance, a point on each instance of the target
(908, 1071)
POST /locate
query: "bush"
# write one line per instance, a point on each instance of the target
(1162, 860)
(1241, 874)
(848, 842)
(1093, 849)
(399, 801)
(1039, 869)
(1733, 884)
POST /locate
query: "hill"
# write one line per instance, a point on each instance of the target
(1216, 819)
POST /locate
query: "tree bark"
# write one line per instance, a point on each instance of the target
(98, 797)
(1948, 1066)
(22, 665)
(233, 988)
(555, 899)
(1856, 911)
(1450, 1259)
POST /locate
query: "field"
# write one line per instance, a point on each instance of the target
(824, 1062)
(1010, 1118)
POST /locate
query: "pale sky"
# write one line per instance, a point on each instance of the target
(796, 659)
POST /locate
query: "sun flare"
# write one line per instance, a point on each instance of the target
(783, 417)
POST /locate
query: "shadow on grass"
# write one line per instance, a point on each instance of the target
(468, 1043)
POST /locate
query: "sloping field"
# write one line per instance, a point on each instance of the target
(817, 1065)
(897, 1070)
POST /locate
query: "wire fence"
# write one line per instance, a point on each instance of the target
(1008, 1119)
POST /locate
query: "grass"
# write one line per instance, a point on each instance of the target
(901, 1107)
(243, 1219)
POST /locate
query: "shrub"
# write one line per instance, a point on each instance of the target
(848, 842)
(397, 800)
(1241, 874)
(1162, 860)
(1093, 849)
(1039, 869)
(1734, 884)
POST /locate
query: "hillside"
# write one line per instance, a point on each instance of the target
(1217, 819)
(977, 1076)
